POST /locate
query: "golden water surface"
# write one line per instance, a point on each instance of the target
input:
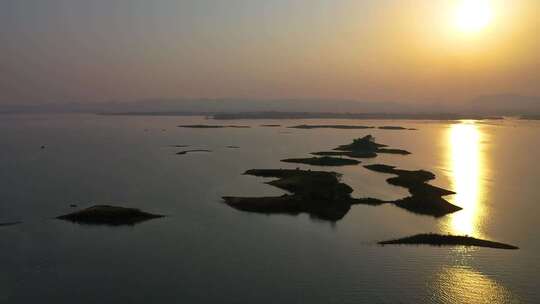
(466, 163)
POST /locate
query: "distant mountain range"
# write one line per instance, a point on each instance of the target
(503, 104)
(209, 106)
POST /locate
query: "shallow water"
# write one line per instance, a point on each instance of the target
(206, 252)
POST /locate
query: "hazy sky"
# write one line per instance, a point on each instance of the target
(400, 50)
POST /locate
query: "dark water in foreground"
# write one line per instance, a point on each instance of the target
(206, 252)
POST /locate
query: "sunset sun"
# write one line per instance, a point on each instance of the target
(473, 15)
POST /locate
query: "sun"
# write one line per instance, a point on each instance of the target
(473, 15)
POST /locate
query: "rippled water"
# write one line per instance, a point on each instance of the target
(206, 252)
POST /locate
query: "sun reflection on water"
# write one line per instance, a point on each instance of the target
(461, 284)
(467, 172)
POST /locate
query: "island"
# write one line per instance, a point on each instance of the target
(323, 196)
(212, 126)
(317, 193)
(425, 198)
(271, 126)
(392, 128)
(109, 215)
(323, 161)
(447, 240)
(364, 147)
(10, 224)
(341, 127)
(363, 116)
(192, 151)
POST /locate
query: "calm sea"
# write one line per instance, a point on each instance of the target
(206, 252)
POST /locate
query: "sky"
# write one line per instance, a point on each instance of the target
(372, 50)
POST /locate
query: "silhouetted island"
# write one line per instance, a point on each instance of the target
(314, 191)
(447, 240)
(271, 126)
(364, 147)
(392, 128)
(425, 198)
(109, 215)
(212, 126)
(329, 115)
(192, 151)
(323, 161)
(10, 224)
(317, 193)
(233, 147)
(322, 195)
(342, 127)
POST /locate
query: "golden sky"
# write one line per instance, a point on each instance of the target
(400, 50)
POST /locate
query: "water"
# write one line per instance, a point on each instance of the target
(206, 252)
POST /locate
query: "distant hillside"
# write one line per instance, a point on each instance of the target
(213, 106)
(504, 104)
(496, 105)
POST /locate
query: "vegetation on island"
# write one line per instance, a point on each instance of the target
(308, 196)
(323, 161)
(364, 147)
(109, 215)
(318, 193)
(447, 240)
(425, 198)
(323, 196)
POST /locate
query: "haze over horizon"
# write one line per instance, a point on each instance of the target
(410, 52)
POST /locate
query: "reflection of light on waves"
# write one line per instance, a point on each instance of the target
(467, 170)
(464, 285)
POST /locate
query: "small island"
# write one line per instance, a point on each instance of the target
(212, 126)
(109, 215)
(192, 151)
(392, 128)
(341, 127)
(271, 126)
(10, 224)
(323, 161)
(318, 193)
(364, 147)
(425, 198)
(447, 240)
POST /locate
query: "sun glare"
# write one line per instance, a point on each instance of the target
(466, 163)
(473, 15)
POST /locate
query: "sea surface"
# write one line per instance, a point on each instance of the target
(207, 252)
